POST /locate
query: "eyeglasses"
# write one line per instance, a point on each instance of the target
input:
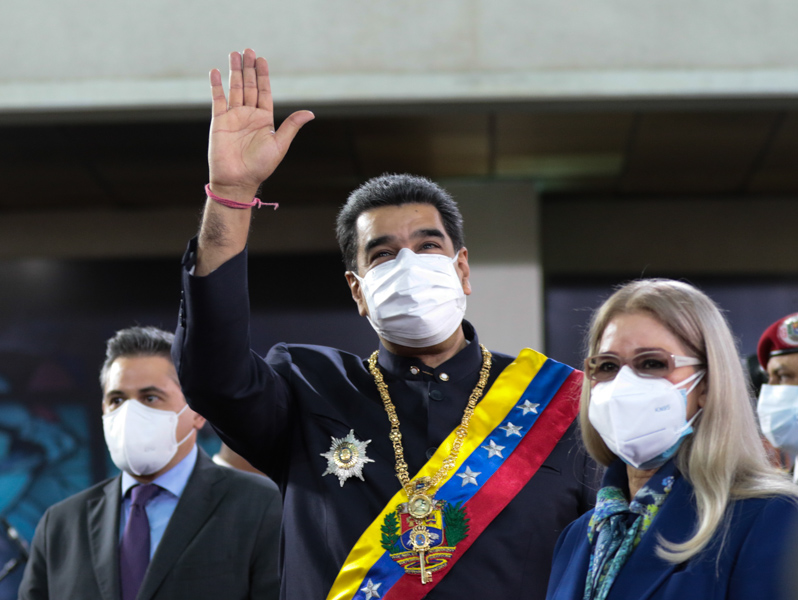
(652, 363)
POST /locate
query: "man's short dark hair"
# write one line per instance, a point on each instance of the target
(395, 190)
(136, 341)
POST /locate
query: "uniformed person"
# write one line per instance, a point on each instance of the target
(777, 407)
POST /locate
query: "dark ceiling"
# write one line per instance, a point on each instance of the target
(600, 153)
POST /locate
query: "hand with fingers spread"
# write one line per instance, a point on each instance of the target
(244, 148)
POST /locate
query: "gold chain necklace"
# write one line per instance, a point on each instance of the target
(421, 491)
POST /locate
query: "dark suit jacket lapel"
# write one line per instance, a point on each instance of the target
(644, 572)
(196, 505)
(103, 523)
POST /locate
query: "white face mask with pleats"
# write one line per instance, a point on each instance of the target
(414, 300)
(777, 410)
(142, 440)
(642, 419)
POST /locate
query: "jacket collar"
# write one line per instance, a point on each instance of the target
(645, 572)
(193, 510)
(103, 525)
(463, 364)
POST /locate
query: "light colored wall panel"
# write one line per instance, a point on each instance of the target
(507, 306)
(503, 241)
(628, 34)
(156, 53)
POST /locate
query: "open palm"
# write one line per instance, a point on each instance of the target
(244, 148)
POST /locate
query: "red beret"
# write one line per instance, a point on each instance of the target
(780, 338)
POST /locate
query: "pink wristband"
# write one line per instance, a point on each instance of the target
(233, 204)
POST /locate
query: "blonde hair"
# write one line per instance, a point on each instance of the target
(724, 459)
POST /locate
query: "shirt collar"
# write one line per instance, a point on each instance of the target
(174, 480)
(461, 365)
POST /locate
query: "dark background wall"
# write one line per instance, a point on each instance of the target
(750, 304)
(55, 316)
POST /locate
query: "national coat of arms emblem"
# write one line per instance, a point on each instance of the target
(423, 545)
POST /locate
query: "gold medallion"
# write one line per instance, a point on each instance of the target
(425, 543)
(420, 506)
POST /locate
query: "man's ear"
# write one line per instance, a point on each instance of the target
(357, 293)
(464, 270)
(199, 421)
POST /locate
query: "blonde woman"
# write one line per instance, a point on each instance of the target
(689, 506)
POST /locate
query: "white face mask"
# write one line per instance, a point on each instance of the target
(414, 300)
(642, 420)
(778, 416)
(142, 440)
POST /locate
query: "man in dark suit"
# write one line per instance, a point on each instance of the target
(173, 524)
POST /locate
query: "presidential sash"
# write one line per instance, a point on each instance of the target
(513, 430)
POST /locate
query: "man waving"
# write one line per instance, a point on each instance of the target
(432, 468)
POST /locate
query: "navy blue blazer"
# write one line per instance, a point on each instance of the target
(747, 565)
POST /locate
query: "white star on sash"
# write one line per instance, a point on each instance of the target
(371, 590)
(494, 449)
(511, 429)
(469, 476)
(529, 407)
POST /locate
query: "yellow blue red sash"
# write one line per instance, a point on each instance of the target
(526, 411)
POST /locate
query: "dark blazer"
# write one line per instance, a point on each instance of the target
(748, 564)
(221, 542)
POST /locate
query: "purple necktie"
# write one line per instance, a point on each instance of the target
(134, 550)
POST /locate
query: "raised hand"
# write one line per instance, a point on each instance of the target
(244, 149)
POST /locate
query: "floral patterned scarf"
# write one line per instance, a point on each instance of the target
(617, 525)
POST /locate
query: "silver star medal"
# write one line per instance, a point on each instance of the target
(511, 429)
(529, 407)
(371, 590)
(494, 449)
(469, 476)
(346, 457)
